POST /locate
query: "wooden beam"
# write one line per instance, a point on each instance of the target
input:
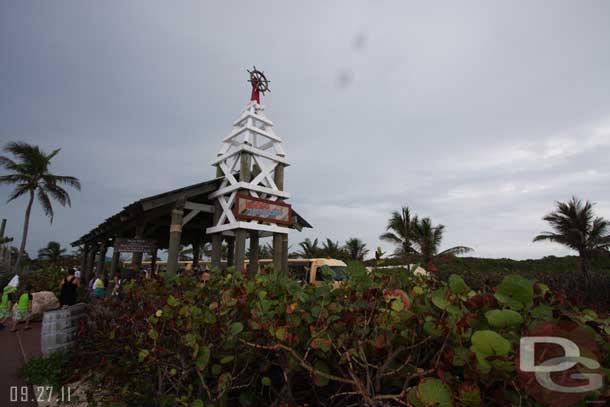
(190, 216)
(199, 206)
(171, 198)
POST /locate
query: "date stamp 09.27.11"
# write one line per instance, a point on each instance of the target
(40, 394)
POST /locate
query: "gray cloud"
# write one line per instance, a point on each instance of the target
(479, 115)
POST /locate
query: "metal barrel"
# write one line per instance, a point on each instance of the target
(59, 328)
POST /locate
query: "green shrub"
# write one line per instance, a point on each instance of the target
(383, 338)
(48, 371)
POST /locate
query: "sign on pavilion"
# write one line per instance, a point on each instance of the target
(250, 200)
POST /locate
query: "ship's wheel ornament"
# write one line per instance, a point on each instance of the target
(259, 83)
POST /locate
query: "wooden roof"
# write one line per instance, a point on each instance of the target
(155, 212)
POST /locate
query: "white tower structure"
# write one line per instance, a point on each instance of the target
(254, 150)
(250, 199)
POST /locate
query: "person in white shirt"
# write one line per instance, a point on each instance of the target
(77, 272)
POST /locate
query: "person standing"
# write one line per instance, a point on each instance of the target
(99, 287)
(6, 304)
(23, 309)
(69, 285)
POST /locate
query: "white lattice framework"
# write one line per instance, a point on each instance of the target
(252, 133)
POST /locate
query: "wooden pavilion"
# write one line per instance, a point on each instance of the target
(155, 218)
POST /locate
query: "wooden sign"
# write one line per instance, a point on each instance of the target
(135, 245)
(251, 208)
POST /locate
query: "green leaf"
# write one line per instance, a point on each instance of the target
(457, 285)
(469, 395)
(216, 369)
(172, 301)
(503, 318)
(226, 359)
(318, 379)
(236, 328)
(396, 305)
(143, 354)
(190, 340)
(203, 358)
(197, 403)
(461, 356)
(490, 343)
(153, 334)
(516, 292)
(439, 298)
(224, 381)
(281, 333)
(433, 392)
(544, 312)
(209, 317)
(321, 343)
(266, 381)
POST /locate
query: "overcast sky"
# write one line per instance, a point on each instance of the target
(479, 115)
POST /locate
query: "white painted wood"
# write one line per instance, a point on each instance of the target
(253, 150)
(252, 133)
(246, 185)
(247, 225)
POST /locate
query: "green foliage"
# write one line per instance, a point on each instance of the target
(558, 273)
(48, 371)
(381, 338)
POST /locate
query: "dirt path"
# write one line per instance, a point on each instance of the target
(15, 349)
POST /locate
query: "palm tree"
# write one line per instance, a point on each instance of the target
(53, 253)
(30, 173)
(309, 249)
(401, 232)
(575, 226)
(428, 240)
(331, 249)
(355, 249)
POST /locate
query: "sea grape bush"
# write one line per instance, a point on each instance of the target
(383, 338)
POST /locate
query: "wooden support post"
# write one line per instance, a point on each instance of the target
(253, 265)
(136, 258)
(83, 260)
(116, 259)
(278, 238)
(216, 250)
(230, 251)
(101, 258)
(217, 237)
(285, 254)
(153, 262)
(240, 250)
(278, 245)
(196, 245)
(90, 262)
(175, 234)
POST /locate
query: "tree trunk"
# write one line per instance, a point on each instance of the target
(24, 236)
(585, 266)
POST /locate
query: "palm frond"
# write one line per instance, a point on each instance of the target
(19, 191)
(45, 202)
(456, 250)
